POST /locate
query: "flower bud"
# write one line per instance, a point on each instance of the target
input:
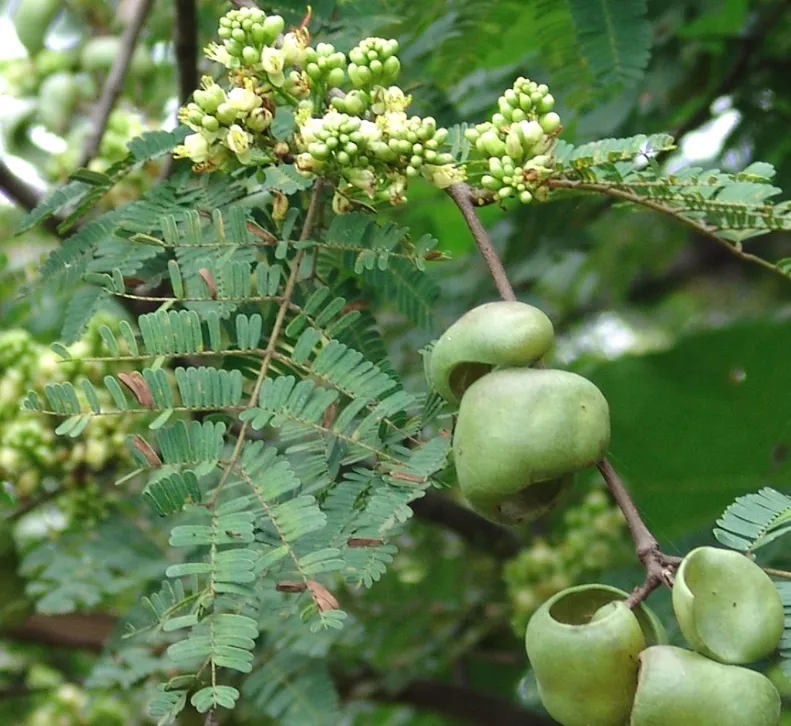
(260, 119)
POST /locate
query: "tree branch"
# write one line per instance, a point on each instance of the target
(185, 39)
(499, 541)
(462, 703)
(462, 195)
(76, 630)
(114, 81)
(26, 197)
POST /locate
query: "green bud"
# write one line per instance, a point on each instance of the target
(273, 26)
(411, 171)
(355, 105)
(525, 102)
(546, 104)
(351, 148)
(505, 192)
(337, 60)
(318, 151)
(404, 147)
(391, 68)
(250, 55)
(511, 97)
(525, 197)
(343, 158)
(518, 115)
(233, 48)
(226, 113)
(336, 77)
(444, 159)
(239, 35)
(489, 182)
(498, 120)
(549, 122)
(210, 123)
(376, 68)
(258, 34)
(313, 71)
(224, 33)
(492, 143)
(357, 56)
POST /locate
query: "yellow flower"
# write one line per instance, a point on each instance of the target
(238, 141)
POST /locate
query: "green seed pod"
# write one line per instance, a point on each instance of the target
(727, 607)
(522, 434)
(583, 645)
(32, 19)
(57, 99)
(507, 334)
(683, 688)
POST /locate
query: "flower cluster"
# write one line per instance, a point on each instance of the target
(363, 138)
(595, 539)
(372, 146)
(30, 453)
(518, 142)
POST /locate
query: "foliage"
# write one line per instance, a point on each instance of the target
(247, 318)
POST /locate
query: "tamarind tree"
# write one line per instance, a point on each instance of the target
(271, 363)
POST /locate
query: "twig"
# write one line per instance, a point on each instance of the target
(699, 226)
(658, 566)
(26, 197)
(460, 703)
(462, 195)
(114, 81)
(185, 39)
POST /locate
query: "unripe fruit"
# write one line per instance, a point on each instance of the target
(99, 53)
(57, 98)
(727, 607)
(506, 334)
(520, 437)
(32, 19)
(683, 688)
(583, 645)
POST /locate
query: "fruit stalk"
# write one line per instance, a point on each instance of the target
(658, 566)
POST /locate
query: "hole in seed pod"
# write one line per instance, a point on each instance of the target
(465, 374)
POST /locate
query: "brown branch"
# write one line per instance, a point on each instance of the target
(499, 541)
(658, 567)
(462, 195)
(25, 196)
(114, 81)
(185, 39)
(76, 631)
(466, 705)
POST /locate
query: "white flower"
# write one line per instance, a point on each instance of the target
(293, 49)
(363, 179)
(272, 61)
(195, 147)
(370, 131)
(443, 176)
(309, 129)
(395, 122)
(395, 99)
(244, 100)
(219, 54)
(238, 141)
